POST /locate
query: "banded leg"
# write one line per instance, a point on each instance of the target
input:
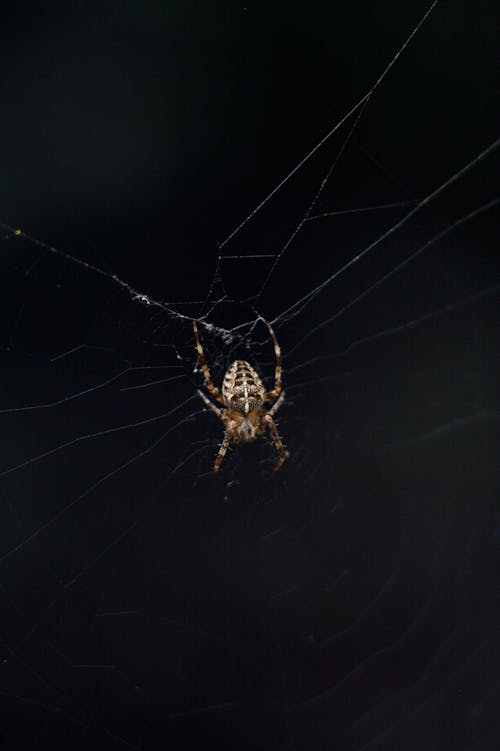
(277, 441)
(277, 405)
(211, 405)
(222, 451)
(210, 385)
(277, 372)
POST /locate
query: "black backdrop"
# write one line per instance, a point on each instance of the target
(349, 601)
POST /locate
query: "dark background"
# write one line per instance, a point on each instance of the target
(349, 602)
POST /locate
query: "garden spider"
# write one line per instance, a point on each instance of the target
(243, 395)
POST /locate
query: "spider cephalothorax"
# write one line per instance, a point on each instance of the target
(243, 396)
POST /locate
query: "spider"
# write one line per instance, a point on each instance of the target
(243, 396)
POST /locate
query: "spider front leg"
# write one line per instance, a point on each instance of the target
(276, 439)
(209, 384)
(278, 369)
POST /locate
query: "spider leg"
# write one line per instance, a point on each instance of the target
(277, 405)
(276, 439)
(222, 450)
(216, 410)
(209, 384)
(277, 373)
(227, 439)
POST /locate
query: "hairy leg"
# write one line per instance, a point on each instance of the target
(277, 373)
(210, 386)
(222, 451)
(277, 441)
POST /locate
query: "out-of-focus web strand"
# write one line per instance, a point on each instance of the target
(330, 133)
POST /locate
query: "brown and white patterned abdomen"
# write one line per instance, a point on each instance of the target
(242, 388)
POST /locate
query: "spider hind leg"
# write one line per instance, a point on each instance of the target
(222, 451)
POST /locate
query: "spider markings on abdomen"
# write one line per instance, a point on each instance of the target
(243, 396)
(242, 388)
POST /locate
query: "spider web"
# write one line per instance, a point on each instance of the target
(345, 602)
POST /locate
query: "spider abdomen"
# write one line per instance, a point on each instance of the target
(242, 389)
